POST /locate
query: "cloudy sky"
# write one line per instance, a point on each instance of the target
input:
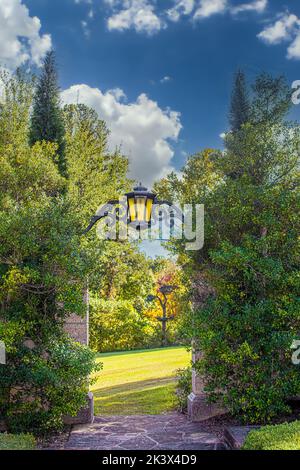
(158, 71)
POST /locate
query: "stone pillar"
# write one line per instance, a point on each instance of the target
(198, 407)
(78, 329)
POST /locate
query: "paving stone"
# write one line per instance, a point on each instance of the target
(171, 431)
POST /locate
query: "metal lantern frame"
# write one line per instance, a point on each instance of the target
(139, 214)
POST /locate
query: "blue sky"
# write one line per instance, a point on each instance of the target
(160, 72)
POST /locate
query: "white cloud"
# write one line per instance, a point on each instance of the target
(285, 29)
(135, 14)
(20, 38)
(144, 16)
(281, 30)
(293, 51)
(144, 130)
(165, 79)
(258, 6)
(181, 7)
(208, 8)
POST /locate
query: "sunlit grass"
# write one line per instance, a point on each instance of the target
(138, 382)
(17, 442)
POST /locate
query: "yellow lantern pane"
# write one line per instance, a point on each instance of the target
(132, 213)
(140, 208)
(149, 209)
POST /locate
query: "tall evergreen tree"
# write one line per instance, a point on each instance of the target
(47, 120)
(272, 99)
(240, 106)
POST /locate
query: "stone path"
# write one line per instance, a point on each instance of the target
(170, 431)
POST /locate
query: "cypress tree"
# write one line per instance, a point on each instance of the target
(47, 119)
(240, 106)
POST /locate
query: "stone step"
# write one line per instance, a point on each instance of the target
(235, 436)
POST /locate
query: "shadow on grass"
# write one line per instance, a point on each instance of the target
(152, 396)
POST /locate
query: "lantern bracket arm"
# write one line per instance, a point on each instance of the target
(103, 213)
(93, 222)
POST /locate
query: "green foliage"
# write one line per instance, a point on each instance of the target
(120, 285)
(246, 278)
(94, 175)
(17, 442)
(271, 101)
(184, 387)
(124, 273)
(116, 326)
(46, 120)
(121, 317)
(42, 271)
(281, 437)
(45, 382)
(17, 93)
(240, 103)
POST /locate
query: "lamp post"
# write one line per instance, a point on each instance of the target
(165, 291)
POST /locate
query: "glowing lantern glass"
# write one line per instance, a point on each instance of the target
(140, 204)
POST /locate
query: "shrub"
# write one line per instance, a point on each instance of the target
(115, 325)
(247, 360)
(43, 386)
(281, 437)
(184, 387)
(17, 442)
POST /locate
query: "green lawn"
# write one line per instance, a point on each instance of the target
(138, 382)
(17, 442)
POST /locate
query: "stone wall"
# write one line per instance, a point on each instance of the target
(78, 327)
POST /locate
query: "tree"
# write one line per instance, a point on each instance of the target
(240, 105)
(46, 120)
(95, 175)
(42, 274)
(168, 302)
(15, 108)
(247, 275)
(271, 101)
(119, 288)
(117, 325)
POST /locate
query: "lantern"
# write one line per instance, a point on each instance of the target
(139, 208)
(140, 204)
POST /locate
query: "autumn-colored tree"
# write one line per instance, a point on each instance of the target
(167, 301)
